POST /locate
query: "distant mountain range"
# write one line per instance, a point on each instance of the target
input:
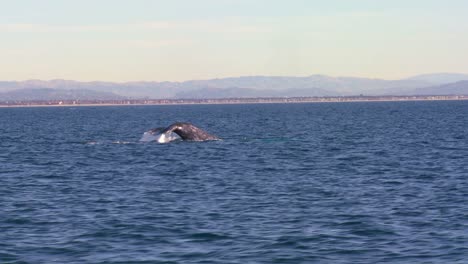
(48, 94)
(456, 88)
(237, 87)
(440, 78)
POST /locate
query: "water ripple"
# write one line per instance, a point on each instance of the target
(352, 183)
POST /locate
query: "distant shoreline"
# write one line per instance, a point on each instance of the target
(266, 100)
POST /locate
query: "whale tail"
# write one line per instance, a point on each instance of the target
(187, 131)
(184, 131)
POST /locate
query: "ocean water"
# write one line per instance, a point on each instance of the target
(379, 182)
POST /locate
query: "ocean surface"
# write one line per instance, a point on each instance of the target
(382, 182)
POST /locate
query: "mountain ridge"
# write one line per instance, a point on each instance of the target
(50, 94)
(246, 86)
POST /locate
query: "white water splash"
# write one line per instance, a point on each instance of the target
(158, 137)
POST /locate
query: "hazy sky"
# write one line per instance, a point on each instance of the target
(174, 40)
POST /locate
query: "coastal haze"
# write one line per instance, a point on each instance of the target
(155, 41)
(211, 49)
(239, 87)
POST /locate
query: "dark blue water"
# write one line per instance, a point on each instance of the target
(290, 183)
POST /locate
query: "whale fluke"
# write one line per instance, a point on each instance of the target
(187, 131)
(184, 131)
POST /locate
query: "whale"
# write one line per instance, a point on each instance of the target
(179, 130)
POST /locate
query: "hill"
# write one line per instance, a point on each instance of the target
(456, 88)
(49, 94)
(246, 86)
(440, 78)
(317, 85)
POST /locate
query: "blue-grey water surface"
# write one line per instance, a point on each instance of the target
(289, 183)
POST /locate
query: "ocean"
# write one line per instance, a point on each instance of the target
(383, 182)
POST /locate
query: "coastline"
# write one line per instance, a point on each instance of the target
(266, 100)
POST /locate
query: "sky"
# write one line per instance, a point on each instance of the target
(177, 40)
